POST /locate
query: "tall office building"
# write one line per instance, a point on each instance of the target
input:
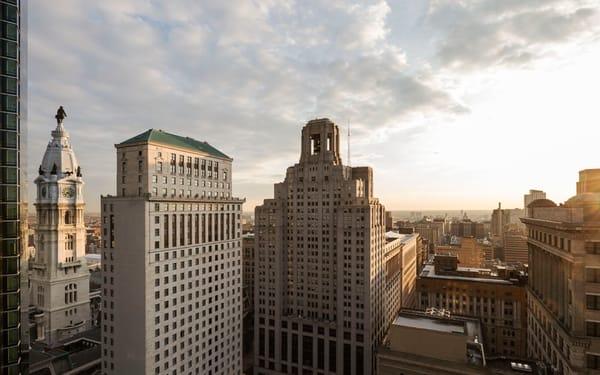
(564, 279)
(13, 180)
(320, 277)
(59, 276)
(171, 260)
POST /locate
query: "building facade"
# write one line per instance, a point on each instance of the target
(171, 260)
(470, 252)
(59, 274)
(564, 283)
(248, 272)
(496, 296)
(515, 245)
(319, 281)
(13, 182)
(400, 258)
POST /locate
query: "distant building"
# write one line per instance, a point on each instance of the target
(470, 252)
(515, 246)
(467, 228)
(497, 296)
(389, 220)
(533, 195)
(431, 230)
(508, 234)
(171, 260)
(59, 275)
(320, 286)
(564, 279)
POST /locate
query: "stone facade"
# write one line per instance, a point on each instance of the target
(171, 260)
(59, 275)
(319, 280)
(497, 297)
(564, 279)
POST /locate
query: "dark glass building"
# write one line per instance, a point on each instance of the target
(12, 182)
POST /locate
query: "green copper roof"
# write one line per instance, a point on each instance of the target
(168, 139)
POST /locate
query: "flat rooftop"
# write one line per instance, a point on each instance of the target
(403, 237)
(429, 272)
(430, 323)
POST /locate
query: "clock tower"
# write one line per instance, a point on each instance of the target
(59, 274)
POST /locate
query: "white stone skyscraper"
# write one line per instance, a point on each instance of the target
(171, 260)
(59, 275)
(320, 272)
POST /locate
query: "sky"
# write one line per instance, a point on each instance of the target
(455, 104)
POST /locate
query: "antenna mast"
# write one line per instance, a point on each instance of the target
(349, 164)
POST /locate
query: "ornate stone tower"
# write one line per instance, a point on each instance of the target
(59, 274)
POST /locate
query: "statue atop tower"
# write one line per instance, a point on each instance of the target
(60, 115)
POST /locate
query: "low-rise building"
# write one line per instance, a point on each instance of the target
(496, 295)
(420, 343)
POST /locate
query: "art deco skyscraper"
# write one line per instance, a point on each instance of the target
(171, 260)
(12, 179)
(320, 278)
(59, 275)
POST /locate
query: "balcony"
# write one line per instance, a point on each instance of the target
(73, 263)
(38, 266)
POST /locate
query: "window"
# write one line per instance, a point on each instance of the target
(592, 328)
(592, 301)
(593, 361)
(69, 217)
(592, 247)
(592, 275)
(155, 178)
(69, 242)
(70, 293)
(315, 144)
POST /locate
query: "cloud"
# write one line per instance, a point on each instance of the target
(485, 34)
(246, 75)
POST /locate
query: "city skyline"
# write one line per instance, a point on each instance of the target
(257, 73)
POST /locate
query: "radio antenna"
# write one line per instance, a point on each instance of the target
(349, 163)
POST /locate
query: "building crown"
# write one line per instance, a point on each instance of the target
(59, 159)
(320, 142)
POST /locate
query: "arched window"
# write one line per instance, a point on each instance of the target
(68, 217)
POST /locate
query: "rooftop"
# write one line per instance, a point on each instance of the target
(168, 139)
(429, 272)
(403, 237)
(430, 323)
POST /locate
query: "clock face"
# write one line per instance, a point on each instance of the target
(68, 192)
